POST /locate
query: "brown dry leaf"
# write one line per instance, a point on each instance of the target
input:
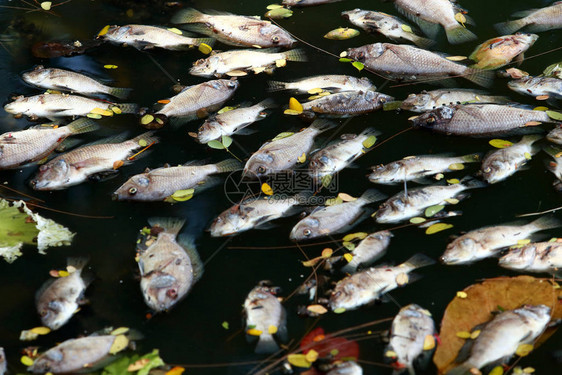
(138, 364)
(463, 314)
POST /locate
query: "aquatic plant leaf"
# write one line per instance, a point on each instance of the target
(295, 105)
(205, 48)
(407, 28)
(346, 197)
(317, 309)
(358, 65)
(25, 360)
(225, 109)
(369, 142)
(345, 60)
(342, 33)
(177, 370)
(554, 115)
(355, 236)
(301, 159)
(326, 253)
(266, 189)
(483, 299)
(215, 144)
(462, 294)
(348, 257)
(146, 119)
(104, 30)
(498, 370)
(438, 228)
(456, 58)
(273, 6)
(500, 143)
(554, 70)
(225, 325)
(298, 360)
(540, 108)
(120, 343)
(391, 106)
(417, 220)
(291, 112)
(460, 18)
(182, 195)
(311, 355)
(254, 332)
(226, 141)
(110, 66)
(524, 350)
(430, 211)
(175, 30)
(279, 13)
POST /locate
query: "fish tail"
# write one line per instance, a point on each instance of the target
(295, 55)
(83, 125)
(471, 158)
(266, 344)
(509, 27)
(77, 262)
(422, 42)
(276, 86)
(120, 92)
(128, 108)
(322, 125)
(171, 225)
(470, 182)
(228, 165)
(268, 103)
(483, 78)
(462, 369)
(418, 261)
(459, 34)
(371, 131)
(545, 222)
(552, 150)
(188, 15)
(188, 244)
(531, 138)
(372, 195)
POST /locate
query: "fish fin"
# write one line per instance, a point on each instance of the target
(472, 183)
(322, 125)
(531, 138)
(372, 195)
(266, 344)
(245, 131)
(295, 55)
(188, 15)
(429, 28)
(460, 34)
(188, 244)
(171, 225)
(537, 28)
(276, 86)
(523, 13)
(83, 125)
(480, 77)
(472, 158)
(120, 92)
(417, 261)
(545, 222)
(510, 27)
(77, 262)
(148, 137)
(423, 180)
(128, 108)
(424, 43)
(228, 165)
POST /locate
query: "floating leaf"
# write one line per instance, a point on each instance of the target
(438, 228)
(463, 335)
(339, 310)
(402, 279)
(460, 18)
(143, 142)
(344, 54)
(333, 201)
(182, 195)
(355, 236)
(326, 180)
(104, 30)
(118, 164)
(317, 309)
(475, 334)
(346, 197)
(342, 33)
(64, 274)
(311, 355)
(430, 211)
(528, 370)
(301, 159)
(205, 48)
(119, 343)
(370, 141)
(274, 6)
(358, 65)
(391, 106)
(542, 109)
(164, 101)
(94, 116)
(109, 66)
(291, 112)
(326, 253)
(177, 370)
(554, 115)
(542, 97)
(500, 143)
(282, 135)
(456, 167)
(315, 91)
(407, 28)
(226, 141)
(272, 330)
(225, 325)
(46, 5)
(225, 109)
(533, 123)
(215, 144)
(278, 13)
(462, 294)
(146, 119)
(254, 332)
(119, 331)
(295, 105)
(137, 365)
(237, 73)
(390, 354)
(266, 189)
(417, 220)
(298, 360)
(27, 361)
(498, 370)
(175, 30)
(524, 350)
(116, 110)
(429, 342)
(349, 245)
(311, 262)
(456, 58)
(345, 59)
(280, 63)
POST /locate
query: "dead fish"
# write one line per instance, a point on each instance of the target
(36, 143)
(497, 52)
(369, 250)
(3, 362)
(413, 202)
(160, 183)
(59, 299)
(53, 106)
(485, 242)
(75, 355)
(428, 100)
(409, 63)
(392, 27)
(500, 337)
(283, 154)
(534, 257)
(235, 30)
(413, 168)
(169, 265)
(555, 135)
(198, 100)
(254, 213)
(369, 285)
(534, 20)
(554, 165)
(346, 368)
(335, 157)
(330, 82)
(334, 219)
(549, 87)
(74, 167)
(429, 14)
(346, 104)
(480, 119)
(408, 334)
(66, 80)
(504, 162)
(240, 62)
(265, 317)
(233, 121)
(306, 3)
(143, 37)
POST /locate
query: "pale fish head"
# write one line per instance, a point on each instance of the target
(226, 84)
(277, 36)
(416, 102)
(18, 106)
(390, 211)
(228, 223)
(307, 228)
(47, 362)
(54, 314)
(345, 295)
(537, 317)
(210, 130)
(260, 164)
(117, 33)
(52, 176)
(204, 67)
(519, 257)
(371, 51)
(497, 171)
(461, 250)
(136, 188)
(527, 39)
(160, 290)
(321, 164)
(526, 85)
(353, 15)
(437, 117)
(555, 135)
(385, 173)
(37, 75)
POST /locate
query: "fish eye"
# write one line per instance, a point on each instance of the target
(487, 170)
(133, 190)
(231, 84)
(431, 119)
(307, 232)
(275, 39)
(261, 169)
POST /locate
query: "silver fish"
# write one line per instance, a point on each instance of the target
(264, 314)
(306, 3)
(66, 80)
(497, 52)
(366, 286)
(346, 104)
(205, 97)
(59, 299)
(413, 202)
(346, 368)
(535, 20)
(282, 154)
(392, 27)
(428, 100)
(504, 162)
(485, 242)
(240, 62)
(144, 37)
(27, 146)
(369, 250)
(53, 106)
(479, 119)
(534, 257)
(169, 265)
(74, 167)
(334, 219)
(407, 337)
(233, 121)
(335, 157)
(3, 362)
(235, 30)
(500, 337)
(416, 167)
(538, 86)
(330, 82)
(555, 135)
(429, 14)
(160, 183)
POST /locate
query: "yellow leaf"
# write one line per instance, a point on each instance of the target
(117, 164)
(302, 158)
(348, 257)
(225, 109)
(266, 189)
(333, 201)
(326, 253)
(280, 63)
(274, 6)
(138, 364)
(407, 28)
(130, 13)
(104, 30)
(528, 156)
(463, 335)
(524, 242)
(41, 330)
(346, 197)
(369, 142)
(532, 123)
(176, 371)
(91, 115)
(298, 360)
(147, 119)
(462, 294)
(453, 181)
(116, 110)
(543, 109)
(272, 330)
(452, 200)
(295, 105)
(528, 370)
(439, 176)
(63, 273)
(254, 332)
(402, 279)
(475, 334)
(27, 361)
(119, 331)
(456, 167)
(119, 343)
(315, 91)
(103, 112)
(456, 58)
(46, 5)
(438, 228)
(339, 310)
(355, 236)
(417, 220)
(183, 195)
(311, 356)
(317, 309)
(498, 370)
(110, 66)
(143, 143)
(429, 342)
(205, 48)
(524, 350)
(390, 354)
(460, 18)
(312, 262)
(175, 31)
(291, 112)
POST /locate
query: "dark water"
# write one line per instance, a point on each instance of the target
(192, 333)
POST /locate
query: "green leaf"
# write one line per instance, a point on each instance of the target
(282, 135)
(430, 211)
(155, 361)
(345, 59)
(216, 145)
(226, 141)
(119, 367)
(391, 106)
(358, 65)
(225, 325)
(554, 115)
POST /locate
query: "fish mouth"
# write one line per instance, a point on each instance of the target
(115, 196)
